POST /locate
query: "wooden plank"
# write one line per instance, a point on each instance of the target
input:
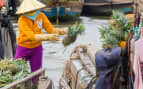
(82, 75)
(73, 81)
(86, 61)
(45, 83)
(75, 66)
(91, 51)
(88, 64)
(24, 79)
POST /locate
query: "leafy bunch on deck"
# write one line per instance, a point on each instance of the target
(11, 70)
(116, 30)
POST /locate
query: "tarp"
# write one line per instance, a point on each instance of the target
(106, 60)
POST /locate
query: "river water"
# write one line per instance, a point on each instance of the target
(55, 53)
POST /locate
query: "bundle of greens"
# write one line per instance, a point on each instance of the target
(116, 32)
(11, 70)
(73, 32)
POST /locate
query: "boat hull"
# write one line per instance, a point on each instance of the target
(106, 9)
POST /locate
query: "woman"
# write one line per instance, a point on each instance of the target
(30, 24)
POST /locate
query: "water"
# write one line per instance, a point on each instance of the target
(55, 54)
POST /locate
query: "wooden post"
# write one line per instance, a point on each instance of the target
(28, 84)
(35, 84)
(22, 86)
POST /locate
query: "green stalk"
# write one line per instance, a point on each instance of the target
(2, 85)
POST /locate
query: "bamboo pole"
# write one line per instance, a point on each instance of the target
(87, 57)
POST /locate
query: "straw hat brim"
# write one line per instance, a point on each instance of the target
(29, 5)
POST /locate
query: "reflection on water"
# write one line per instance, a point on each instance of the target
(55, 54)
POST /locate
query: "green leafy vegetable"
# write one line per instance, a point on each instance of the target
(11, 70)
(73, 32)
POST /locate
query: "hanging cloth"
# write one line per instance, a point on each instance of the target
(138, 62)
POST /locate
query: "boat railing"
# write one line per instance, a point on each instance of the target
(26, 83)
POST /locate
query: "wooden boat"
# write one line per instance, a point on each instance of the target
(105, 7)
(65, 10)
(80, 68)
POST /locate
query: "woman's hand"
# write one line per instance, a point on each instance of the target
(52, 37)
(47, 37)
(59, 31)
(63, 31)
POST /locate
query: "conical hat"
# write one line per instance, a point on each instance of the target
(29, 5)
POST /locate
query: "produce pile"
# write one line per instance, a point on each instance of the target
(11, 70)
(73, 32)
(116, 32)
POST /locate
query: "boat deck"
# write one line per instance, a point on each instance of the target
(109, 3)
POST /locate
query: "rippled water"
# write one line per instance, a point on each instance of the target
(55, 54)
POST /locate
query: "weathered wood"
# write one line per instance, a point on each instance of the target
(29, 77)
(80, 75)
(82, 68)
(22, 86)
(28, 84)
(74, 81)
(45, 83)
(91, 51)
(75, 67)
(86, 60)
(88, 64)
(64, 84)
